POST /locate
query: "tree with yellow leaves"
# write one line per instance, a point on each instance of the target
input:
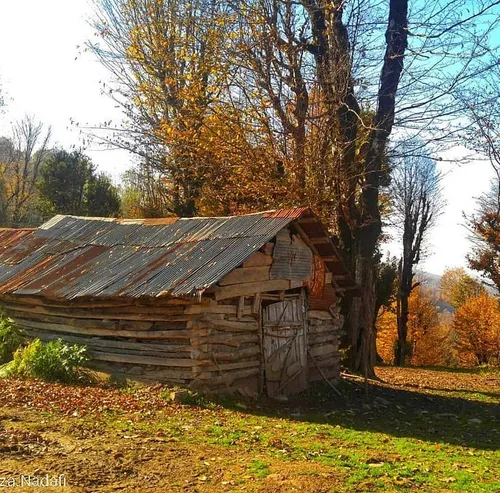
(428, 341)
(169, 74)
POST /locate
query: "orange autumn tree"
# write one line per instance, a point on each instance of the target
(247, 173)
(477, 324)
(427, 339)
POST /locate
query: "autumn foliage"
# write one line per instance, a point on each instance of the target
(485, 228)
(477, 325)
(469, 337)
(426, 335)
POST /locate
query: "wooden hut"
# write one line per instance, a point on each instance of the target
(243, 303)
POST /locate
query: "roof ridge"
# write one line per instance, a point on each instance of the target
(142, 220)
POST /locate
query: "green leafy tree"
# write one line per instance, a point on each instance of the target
(62, 183)
(102, 198)
(69, 184)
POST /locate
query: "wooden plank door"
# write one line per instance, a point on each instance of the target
(284, 347)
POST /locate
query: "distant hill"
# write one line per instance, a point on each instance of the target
(433, 283)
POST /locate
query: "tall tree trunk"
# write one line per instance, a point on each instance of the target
(402, 307)
(402, 321)
(358, 214)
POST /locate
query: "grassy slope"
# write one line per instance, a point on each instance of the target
(421, 430)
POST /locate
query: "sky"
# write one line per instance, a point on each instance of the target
(46, 72)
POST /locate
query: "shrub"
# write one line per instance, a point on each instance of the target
(10, 339)
(55, 361)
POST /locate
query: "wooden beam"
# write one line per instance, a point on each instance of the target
(136, 334)
(258, 259)
(331, 259)
(256, 304)
(241, 307)
(227, 325)
(250, 288)
(246, 274)
(145, 360)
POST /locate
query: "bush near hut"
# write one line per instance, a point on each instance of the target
(11, 339)
(55, 361)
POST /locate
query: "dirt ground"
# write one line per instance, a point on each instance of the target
(135, 440)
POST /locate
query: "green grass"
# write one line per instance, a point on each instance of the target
(428, 453)
(368, 458)
(259, 468)
(407, 440)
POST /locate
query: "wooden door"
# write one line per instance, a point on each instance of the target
(285, 347)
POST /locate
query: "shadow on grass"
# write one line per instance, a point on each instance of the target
(392, 411)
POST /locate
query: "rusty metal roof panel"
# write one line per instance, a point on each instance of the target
(204, 229)
(9, 272)
(173, 233)
(176, 266)
(70, 257)
(144, 235)
(10, 237)
(210, 273)
(98, 273)
(59, 271)
(130, 271)
(202, 264)
(117, 234)
(236, 227)
(75, 229)
(268, 227)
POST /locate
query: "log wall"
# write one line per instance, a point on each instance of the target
(207, 346)
(325, 329)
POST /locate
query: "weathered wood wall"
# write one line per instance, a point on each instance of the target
(324, 341)
(206, 345)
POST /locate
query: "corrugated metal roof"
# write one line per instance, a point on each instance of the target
(70, 257)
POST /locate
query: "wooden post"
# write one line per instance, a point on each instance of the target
(241, 307)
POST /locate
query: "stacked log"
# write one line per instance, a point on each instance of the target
(145, 340)
(324, 341)
(209, 345)
(233, 343)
